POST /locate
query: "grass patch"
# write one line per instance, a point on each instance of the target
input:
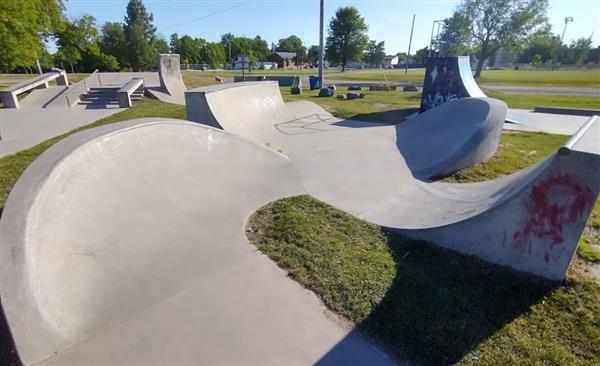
(530, 101)
(574, 78)
(377, 106)
(12, 166)
(430, 304)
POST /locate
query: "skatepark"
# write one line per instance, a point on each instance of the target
(153, 261)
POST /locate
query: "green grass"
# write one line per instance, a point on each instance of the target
(574, 78)
(377, 106)
(530, 101)
(431, 305)
(12, 166)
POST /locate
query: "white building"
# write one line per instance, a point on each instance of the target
(389, 62)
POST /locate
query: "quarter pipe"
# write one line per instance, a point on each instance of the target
(450, 78)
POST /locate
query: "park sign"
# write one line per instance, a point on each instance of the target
(448, 79)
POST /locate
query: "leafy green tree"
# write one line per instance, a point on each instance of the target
(496, 24)
(226, 42)
(188, 48)
(420, 57)
(455, 38)
(24, 25)
(543, 44)
(78, 43)
(578, 50)
(375, 53)
(313, 54)
(347, 38)
(139, 36)
(213, 54)
(160, 46)
(113, 43)
(292, 44)
(260, 48)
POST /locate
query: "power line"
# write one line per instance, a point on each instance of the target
(209, 15)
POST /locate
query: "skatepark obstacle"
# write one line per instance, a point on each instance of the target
(144, 269)
(172, 87)
(9, 95)
(450, 78)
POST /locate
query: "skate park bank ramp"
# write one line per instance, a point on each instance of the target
(450, 78)
(458, 135)
(172, 87)
(152, 264)
(380, 173)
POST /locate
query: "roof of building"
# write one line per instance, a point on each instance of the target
(390, 57)
(286, 55)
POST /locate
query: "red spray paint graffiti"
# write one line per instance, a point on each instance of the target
(553, 203)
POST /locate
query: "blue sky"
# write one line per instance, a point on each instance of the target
(388, 20)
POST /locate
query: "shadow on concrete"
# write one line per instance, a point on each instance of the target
(442, 304)
(8, 354)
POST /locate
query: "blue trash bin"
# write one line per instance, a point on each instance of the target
(314, 82)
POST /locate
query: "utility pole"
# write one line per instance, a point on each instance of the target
(321, 46)
(567, 20)
(230, 51)
(243, 67)
(409, 45)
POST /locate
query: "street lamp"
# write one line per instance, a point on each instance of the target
(567, 20)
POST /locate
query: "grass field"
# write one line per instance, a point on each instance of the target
(393, 106)
(584, 78)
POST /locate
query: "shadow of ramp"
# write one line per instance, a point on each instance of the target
(441, 305)
(8, 353)
(390, 117)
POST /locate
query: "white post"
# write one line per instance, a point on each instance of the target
(409, 44)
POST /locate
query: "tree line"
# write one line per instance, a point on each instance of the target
(510, 30)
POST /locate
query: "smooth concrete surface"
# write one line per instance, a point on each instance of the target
(172, 87)
(141, 258)
(546, 122)
(370, 170)
(27, 126)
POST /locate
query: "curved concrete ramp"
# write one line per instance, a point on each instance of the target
(531, 221)
(448, 79)
(172, 87)
(434, 143)
(125, 244)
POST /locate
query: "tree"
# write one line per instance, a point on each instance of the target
(160, 45)
(188, 48)
(313, 55)
(213, 54)
(292, 44)
(226, 41)
(260, 47)
(375, 54)
(420, 57)
(112, 42)
(543, 44)
(495, 24)
(24, 25)
(578, 50)
(139, 36)
(455, 38)
(347, 38)
(78, 43)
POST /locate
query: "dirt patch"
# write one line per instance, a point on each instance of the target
(381, 105)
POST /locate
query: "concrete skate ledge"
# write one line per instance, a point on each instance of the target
(125, 92)
(9, 95)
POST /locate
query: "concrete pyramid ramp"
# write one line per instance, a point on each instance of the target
(125, 244)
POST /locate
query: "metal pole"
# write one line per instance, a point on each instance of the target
(321, 45)
(243, 67)
(409, 44)
(431, 39)
(567, 20)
